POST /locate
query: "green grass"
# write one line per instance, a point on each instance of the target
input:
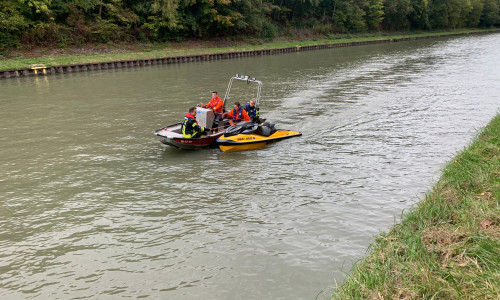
(449, 246)
(159, 51)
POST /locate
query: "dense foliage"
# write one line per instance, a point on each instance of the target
(73, 22)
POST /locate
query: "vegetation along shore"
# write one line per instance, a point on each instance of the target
(42, 59)
(64, 23)
(448, 246)
(52, 33)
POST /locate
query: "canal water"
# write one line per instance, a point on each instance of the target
(92, 206)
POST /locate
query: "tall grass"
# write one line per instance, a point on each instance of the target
(449, 246)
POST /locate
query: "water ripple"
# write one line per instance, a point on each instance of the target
(93, 207)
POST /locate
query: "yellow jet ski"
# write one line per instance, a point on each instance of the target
(250, 136)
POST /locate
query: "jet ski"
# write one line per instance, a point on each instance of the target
(251, 136)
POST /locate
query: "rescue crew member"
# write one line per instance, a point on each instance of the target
(190, 128)
(237, 114)
(216, 104)
(253, 111)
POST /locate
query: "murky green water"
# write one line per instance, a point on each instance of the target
(92, 206)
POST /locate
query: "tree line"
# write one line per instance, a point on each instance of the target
(59, 23)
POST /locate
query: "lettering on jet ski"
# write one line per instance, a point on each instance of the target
(248, 138)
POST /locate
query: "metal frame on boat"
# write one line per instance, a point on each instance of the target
(248, 80)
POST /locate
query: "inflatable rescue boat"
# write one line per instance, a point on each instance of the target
(250, 136)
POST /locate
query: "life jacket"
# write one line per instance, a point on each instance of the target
(252, 111)
(190, 126)
(237, 115)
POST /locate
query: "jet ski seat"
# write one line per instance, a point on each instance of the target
(266, 129)
(242, 127)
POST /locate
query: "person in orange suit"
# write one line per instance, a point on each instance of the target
(216, 104)
(237, 114)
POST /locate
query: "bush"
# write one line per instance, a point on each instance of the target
(81, 32)
(141, 37)
(105, 31)
(159, 30)
(12, 24)
(47, 35)
(8, 40)
(333, 37)
(269, 31)
(321, 28)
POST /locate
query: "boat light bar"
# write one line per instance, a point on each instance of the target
(244, 77)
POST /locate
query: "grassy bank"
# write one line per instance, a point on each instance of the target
(449, 246)
(20, 61)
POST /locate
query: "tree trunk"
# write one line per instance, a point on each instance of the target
(100, 9)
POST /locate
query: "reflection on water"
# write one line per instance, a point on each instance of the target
(92, 206)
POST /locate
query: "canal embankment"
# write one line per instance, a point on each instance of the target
(16, 67)
(448, 246)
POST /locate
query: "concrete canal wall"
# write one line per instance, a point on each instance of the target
(42, 70)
